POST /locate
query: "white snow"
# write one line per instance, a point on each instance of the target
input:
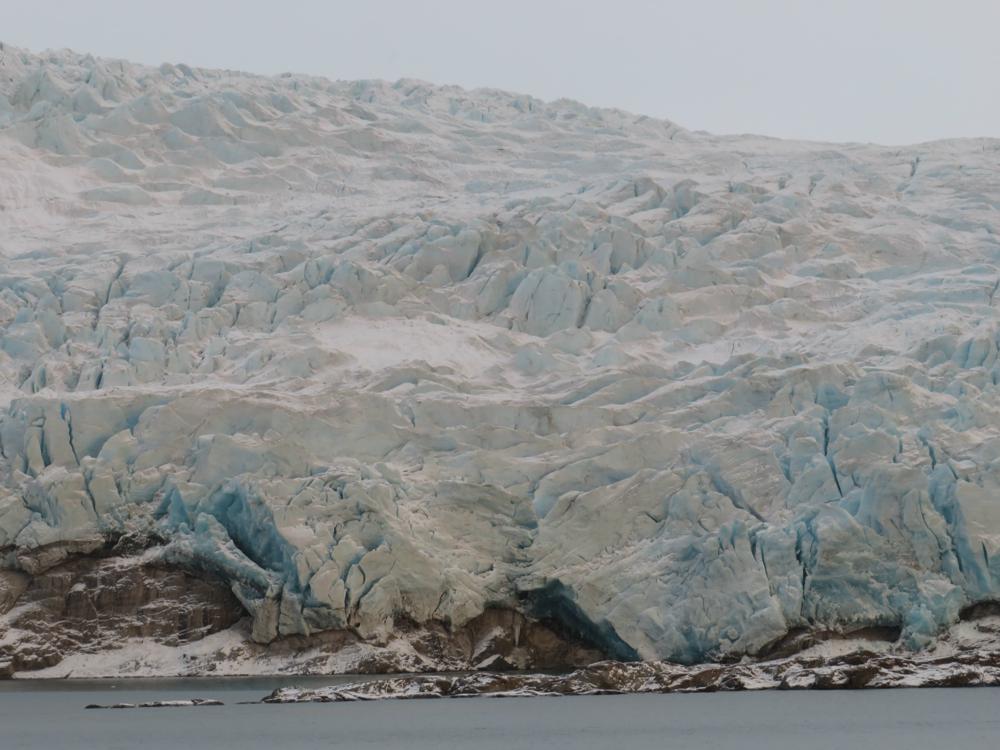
(222, 654)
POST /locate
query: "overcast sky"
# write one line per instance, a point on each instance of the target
(889, 71)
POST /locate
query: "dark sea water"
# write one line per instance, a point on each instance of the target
(51, 716)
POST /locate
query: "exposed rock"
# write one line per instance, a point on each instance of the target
(93, 605)
(12, 585)
(84, 612)
(854, 671)
(182, 703)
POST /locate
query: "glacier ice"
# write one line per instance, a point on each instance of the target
(378, 353)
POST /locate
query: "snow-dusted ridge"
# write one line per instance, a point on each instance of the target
(392, 357)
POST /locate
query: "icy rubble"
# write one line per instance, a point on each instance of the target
(377, 353)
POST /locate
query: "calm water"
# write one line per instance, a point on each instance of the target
(51, 716)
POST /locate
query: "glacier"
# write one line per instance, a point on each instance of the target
(375, 356)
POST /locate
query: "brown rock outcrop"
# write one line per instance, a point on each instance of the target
(93, 604)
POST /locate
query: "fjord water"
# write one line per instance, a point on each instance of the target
(52, 715)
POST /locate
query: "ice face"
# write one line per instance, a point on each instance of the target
(374, 352)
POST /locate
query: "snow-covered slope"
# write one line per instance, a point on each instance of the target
(377, 354)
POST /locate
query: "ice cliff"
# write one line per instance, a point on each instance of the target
(373, 354)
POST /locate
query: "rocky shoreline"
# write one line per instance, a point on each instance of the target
(859, 670)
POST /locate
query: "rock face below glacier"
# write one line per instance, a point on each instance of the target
(90, 605)
(109, 614)
(364, 360)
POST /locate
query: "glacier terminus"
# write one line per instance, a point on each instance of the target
(305, 375)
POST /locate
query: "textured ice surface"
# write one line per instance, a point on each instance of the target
(380, 352)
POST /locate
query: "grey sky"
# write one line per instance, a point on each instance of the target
(890, 71)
